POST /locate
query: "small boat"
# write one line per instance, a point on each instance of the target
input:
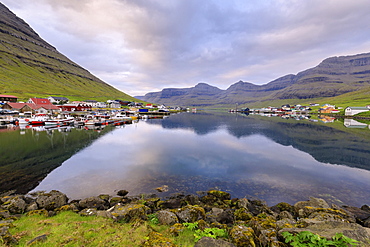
(62, 121)
(121, 116)
(38, 119)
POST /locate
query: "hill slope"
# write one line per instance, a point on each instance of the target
(30, 67)
(333, 77)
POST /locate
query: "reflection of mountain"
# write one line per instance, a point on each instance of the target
(325, 143)
(27, 159)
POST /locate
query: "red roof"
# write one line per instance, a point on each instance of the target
(7, 96)
(16, 105)
(39, 101)
(33, 106)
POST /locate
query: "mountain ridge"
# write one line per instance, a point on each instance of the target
(31, 67)
(332, 77)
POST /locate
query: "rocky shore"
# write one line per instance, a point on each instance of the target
(247, 222)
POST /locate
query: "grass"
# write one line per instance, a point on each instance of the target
(29, 70)
(70, 229)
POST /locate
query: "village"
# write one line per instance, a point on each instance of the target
(55, 112)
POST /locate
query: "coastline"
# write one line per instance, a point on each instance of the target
(244, 220)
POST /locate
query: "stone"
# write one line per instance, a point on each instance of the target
(242, 235)
(6, 237)
(89, 212)
(207, 242)
(167, 217)
(122, 193)
(360, 214)
(52, 200)
(94, 202)
(226, 217)
(16, 205)
(190, 213)
(130, 212)
(157, 239)
(38, 239)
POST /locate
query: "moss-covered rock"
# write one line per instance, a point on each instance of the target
(242, 214)
(166, 217)
(43, 212)
(176, 229)
(130, 212)
(221, 195)
(242, 235)
(52, 200)
(158, 240)
(190, 213)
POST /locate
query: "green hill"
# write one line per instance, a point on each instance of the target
(30, 67)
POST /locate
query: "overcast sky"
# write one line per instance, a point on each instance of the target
(141, 46)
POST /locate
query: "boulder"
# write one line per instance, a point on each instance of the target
(242, 235)
(94, 202)
(360, 215)
(130, 212)
(190, 213)
(6, 237)
(15, 205)
(122, 193)
(207, 242)
(52, 200)
(166, 217)
(330, 228)
(306, 207)
(157, 239)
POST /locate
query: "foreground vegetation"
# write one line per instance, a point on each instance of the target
(71, 229)
(213, 219)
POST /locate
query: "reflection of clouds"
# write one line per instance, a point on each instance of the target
(137, 156)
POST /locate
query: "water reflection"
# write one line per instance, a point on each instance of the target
(194, 152)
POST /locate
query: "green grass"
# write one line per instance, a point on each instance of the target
(29, 70)
(70, 229)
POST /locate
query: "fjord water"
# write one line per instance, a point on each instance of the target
(249, 156)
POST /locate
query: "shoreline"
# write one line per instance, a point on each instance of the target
(213, 209)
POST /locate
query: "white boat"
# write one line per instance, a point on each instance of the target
(62, 121)
(121, 116)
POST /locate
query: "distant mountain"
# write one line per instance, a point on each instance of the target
(30, 67)
(332, 77)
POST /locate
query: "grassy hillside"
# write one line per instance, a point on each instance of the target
(30, 67)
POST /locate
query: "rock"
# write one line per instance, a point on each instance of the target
(190, 213)
(192, 200)
(172, 203)
(329, 229)
(6, 237)
(4, 214)
(157, 240)
(312, 203)
(257, 207)
(226, 217)
(89, 212)
(211, 216)
(242, 214)
(167, 217)
(93, 202)
(114, 200)
(52, 200)
(221, 195)
(15, 205)
(283, 206)
(207, 242)
(32, 206)
(38, 239)
(130, 212)
(360, 215)
(242, 235)
(122, 193)
(163, 188)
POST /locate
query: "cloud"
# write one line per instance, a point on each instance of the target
(141, 46)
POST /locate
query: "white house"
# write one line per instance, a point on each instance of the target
(350, 111)
(58, 100)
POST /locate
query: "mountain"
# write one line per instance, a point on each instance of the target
(332, 77)
(30, 67)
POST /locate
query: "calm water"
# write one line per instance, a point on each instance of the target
(249, 156)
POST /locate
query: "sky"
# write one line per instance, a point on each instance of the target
(141, 46)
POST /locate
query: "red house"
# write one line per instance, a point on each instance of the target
(75, 107)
